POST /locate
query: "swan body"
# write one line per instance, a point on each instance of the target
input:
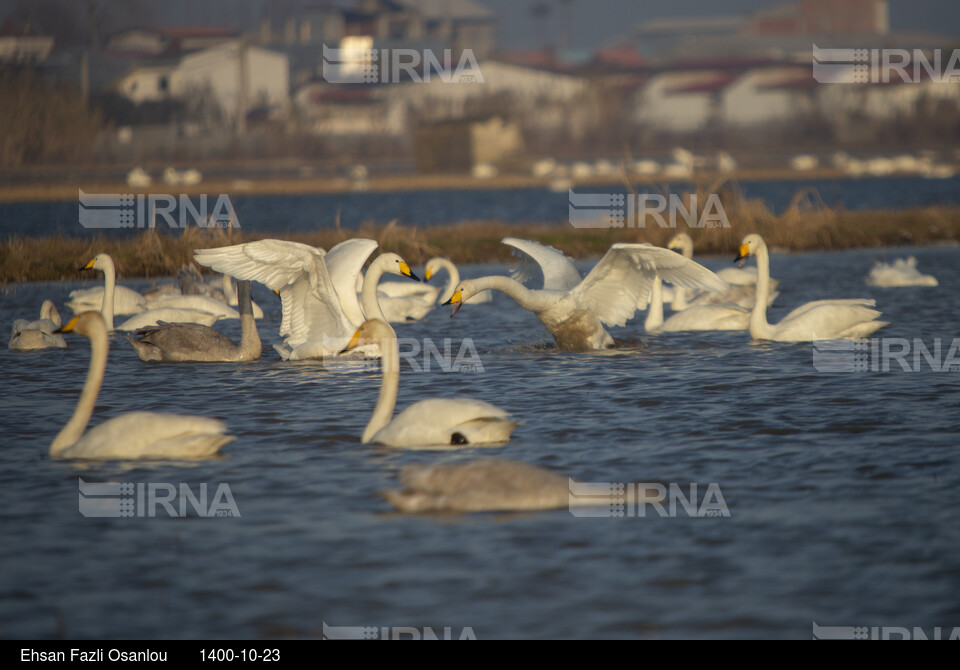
(169, 314)
(320, 305)
(200, 303)
(479, 486)
(125, 300)
(33, 335)
(723, 316)
(435, 422)
(575, 311)
(902, 272)
(138, 435)
(817, 320)
(181, 342)
(742, 289)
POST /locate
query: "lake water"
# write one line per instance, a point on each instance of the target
(305, 213)
(842, 488)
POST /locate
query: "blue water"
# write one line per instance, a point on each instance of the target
(304, 213)
(842, 488)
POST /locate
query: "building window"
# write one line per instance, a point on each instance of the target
(163, 84)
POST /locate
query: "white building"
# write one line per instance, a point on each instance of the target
(215, 71)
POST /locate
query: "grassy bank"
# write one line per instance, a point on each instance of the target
(805, 225)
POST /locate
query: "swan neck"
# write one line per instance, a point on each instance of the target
(679, 298)
(250, 346)
(452, 280)
(73, 431)
(535, 301)
(389, 384)
(758, 317)
(368, 296)
(109, 287)
(655, 310)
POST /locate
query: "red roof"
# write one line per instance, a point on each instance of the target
(620, 56)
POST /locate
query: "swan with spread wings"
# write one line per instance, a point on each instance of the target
(576, 310)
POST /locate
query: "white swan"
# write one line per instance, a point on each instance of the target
(742, 290)
(722, 316)
(902, 272)
(33, 335)
(576, 311)
(171, 315)
(817, 320)
(481, 486)
(179, 342)
(405, 301)
(436, 422)
(122, 299)
(320, 306)
(200, 303)
(134, 435)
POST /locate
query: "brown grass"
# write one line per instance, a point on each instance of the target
(806, 225)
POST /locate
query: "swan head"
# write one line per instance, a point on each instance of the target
(681, 242)
(398, 266)
(372, 331)
(99, 262)
(48, 310)
(463, 292)
(750, 246)
(86, 323)
(434, 265)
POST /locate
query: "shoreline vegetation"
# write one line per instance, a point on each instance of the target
(806, 225)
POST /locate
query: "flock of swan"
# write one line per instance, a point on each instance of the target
(332, 308)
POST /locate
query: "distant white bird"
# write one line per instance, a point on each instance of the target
(138, 178)
(817, 320)
(32, 335)
(902, 272)
(575, 311)
(435, 422)
(138, 435)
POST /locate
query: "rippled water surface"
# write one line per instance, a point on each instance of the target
(842, 488)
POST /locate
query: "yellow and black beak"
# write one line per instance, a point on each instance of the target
(407, 272)
(353, 343)
(427, 274)
(69, 325)
(88, 266)
(457, 301)
(742, 256)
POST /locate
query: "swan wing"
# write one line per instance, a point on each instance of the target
(274, 263)
(344, 264)
(623, 277)
(818, 304)
(538, 261)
